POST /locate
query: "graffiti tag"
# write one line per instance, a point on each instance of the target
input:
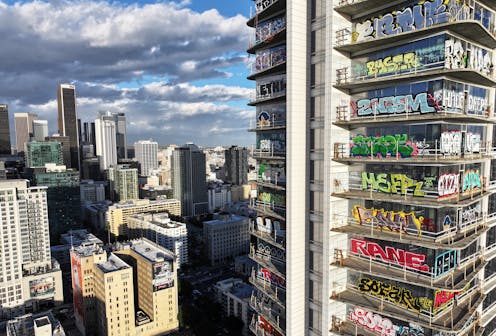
(397, 295)
(451, 143)
(383, 146)
(471, 181)
(395, 104)
(392, 183)
(448, 184)
(445, 262)
(388, 220)
(267, 275)
(373, 322)
(390, 255)
(394, 63)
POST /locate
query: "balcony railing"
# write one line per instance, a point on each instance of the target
(342, 151)
(272, 313)
(273, 238)
(276, 293)
(260, 125)
(345, 114)
(263, 330)
(269, 153)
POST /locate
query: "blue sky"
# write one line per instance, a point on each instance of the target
(176, 68)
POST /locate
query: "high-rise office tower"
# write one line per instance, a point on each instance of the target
(40, 130)
(132, 291)
(145, 152)
(23, 129)
(236, 165)
(123, 183)
(105, 141)
(64, 143)
(189, 179)
(63, 197)
(37, 154)
(389, 108)
(67, 120)
(29, 278)
(89, 135)
(4, 130)
(120, 134)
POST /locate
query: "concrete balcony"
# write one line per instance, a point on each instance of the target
(432, 155)
(457, 237)
(271, 312)
(347, 119)
(269, 154)
(452, 319)
(264, 10)
(275, 266)
(454, 280)
(267, 125)
(489, 284)
(275, 38)
(276, 293)
(263, 330)
(272, 69)
(355, 84)
(488, 314)
(269, 209)
(271, 238)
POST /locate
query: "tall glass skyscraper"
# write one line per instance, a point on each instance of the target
(67, 120)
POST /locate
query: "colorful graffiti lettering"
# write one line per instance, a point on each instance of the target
(455, 55)
(389, 183)
(268, 58)
(388, 220)
(270, 88)
(406, 61)
(397, 295)
(443, 298)
(395, 104)
(471, 181)
(425, 14)
(272, 198)
(451, 143)
(267, 275)
(445, 262)
(383, 146)
(373, 322)
(268, 29)
(261, 5)
(389, 255)
(472, 142)
(448, 184)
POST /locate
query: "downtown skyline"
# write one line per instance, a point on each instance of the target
(172, 67)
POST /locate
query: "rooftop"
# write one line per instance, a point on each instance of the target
(225, 218)
(141, 202)
(87, 250)
(150, 251)
(79, 237)
(160, 219)
(25, 325)
(113, 263)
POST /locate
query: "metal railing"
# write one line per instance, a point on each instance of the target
(272, 237)
(270, 312)
(345, 113)
(433, 151)
(267, 124)
(277, 293)
(345, 36)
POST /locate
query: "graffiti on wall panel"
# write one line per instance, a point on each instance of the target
(267, 275)
(424, 14)
(389, 220)
(445, 262)
(270, 226)
(373, 322)
(271, 251)
(392, 183)
(448, 184)
(272, 198)
(271, 173)
(269, 28)
(394, 294)
(422, 102)
(392, 64)
(271, 88)
(261, 5)
(451, 143)
(383, 146)
(459, 56)
(472, 142)
(269, 142)
(268, 58)
(453, 99)
(471, 182)
(443, 298)
(471, 213)
(389, 254)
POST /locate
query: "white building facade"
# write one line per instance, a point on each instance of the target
(145, 152)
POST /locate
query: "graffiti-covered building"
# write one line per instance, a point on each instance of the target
(412, 212)
(374, 143)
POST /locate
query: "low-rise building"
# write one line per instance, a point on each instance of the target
(92, 191)
(132, 291)
(44, 324)
(117, 214)
(160, 229)
(226, 237)
(234, 296)
(218, 196)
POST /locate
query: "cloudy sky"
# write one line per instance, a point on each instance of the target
(176, 68)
